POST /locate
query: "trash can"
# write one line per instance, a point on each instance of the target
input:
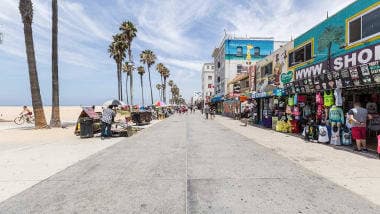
(86, 127)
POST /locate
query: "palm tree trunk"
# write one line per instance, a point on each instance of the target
(119, 93)
(131, 87)
(131, 79)
(150, 85)
(40, 120)
(164, 90)
(126, 88)
(142, 90)
(55, 120)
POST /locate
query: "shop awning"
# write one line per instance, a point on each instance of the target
(217, 99)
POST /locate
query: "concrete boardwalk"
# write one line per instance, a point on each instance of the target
(187, 165)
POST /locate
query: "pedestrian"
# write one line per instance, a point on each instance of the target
(212, 112)
(245, 115)
(358, 118)
(207, 111)
(107, 119)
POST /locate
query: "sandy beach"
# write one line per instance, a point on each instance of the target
(28, 156)
(68, 113)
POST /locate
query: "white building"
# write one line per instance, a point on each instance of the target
(208, 81)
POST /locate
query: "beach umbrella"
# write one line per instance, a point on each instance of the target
(159, 103)
(114, 103)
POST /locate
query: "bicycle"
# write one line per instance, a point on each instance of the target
(21, 119)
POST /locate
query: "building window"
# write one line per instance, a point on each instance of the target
(256, 52)
(239, 51)
(208, 67)
(300, 55)
(209, 86)
(364, 26)
(218, 79)
(212, 67)
(209, 77)
(218, 64)
(266, 70)
(239, 68)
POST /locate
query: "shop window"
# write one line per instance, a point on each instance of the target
(365, 26)
(239, 68)
(300, 55)
(256, 51)
(239, 51)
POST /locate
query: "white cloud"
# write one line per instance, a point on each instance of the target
(280, 19)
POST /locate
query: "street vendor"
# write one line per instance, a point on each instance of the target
(107, 119)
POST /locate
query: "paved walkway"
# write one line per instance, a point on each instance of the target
(187, 165)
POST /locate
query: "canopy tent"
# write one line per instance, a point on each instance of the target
(159, 104)
(114, 103)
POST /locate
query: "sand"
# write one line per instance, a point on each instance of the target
(28, 156)
(68, 113)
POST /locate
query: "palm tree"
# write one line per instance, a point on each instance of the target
(160, 68)
(117, 52)
(129, 33)
(55, 120)
(141, 72)
(171, 83)
(149, 58)
(26, 11)
(159, 87)
(165, 74)
(128, 69)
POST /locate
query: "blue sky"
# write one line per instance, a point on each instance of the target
(182, 33)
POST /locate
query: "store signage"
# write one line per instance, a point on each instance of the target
(261, 94)
(357, 58)
(287, 77)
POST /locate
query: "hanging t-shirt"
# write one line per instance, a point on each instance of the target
(374, 124)
(335, 136)
(338, 97)
(291, 101)
(336, 115)
(319, 99)
(346, 136)
(328, 98)
(306, 111)
(323, 134)
(371, 107)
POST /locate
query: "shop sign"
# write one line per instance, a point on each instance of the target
(261, 95)
(287, 77)
(356, 58)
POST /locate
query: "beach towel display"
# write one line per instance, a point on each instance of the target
(323, 134)
(335, 136)
(328, 98)
(346, 136)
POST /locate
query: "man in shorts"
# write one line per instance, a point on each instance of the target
(358, 118)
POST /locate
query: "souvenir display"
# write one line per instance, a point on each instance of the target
(365, 74)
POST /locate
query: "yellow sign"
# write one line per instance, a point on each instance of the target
(249, 47)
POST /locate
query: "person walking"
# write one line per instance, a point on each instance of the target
(207, 110)
(107, 118)
(358, 117)
(212, 112)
